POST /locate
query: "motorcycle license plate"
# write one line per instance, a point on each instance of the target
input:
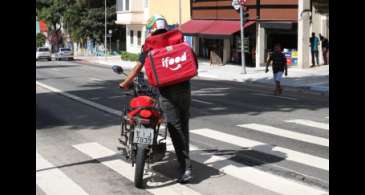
(143, 136)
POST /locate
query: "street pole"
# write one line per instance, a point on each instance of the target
(179, 12)
(243, 62)
(105, 48)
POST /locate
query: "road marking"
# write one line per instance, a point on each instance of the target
(116, 96)
(254, 176)
(268, 95)
(96, 79)
(310, 123)
(306, 190)
(53, 181)
(85, 101)
(327, 117)
(285, 153)
(288, 134)
(271, 182)
(96, 151)
(201, 101)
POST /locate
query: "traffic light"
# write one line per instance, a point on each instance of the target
(245, 12)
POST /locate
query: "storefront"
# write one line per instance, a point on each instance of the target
(270, 33)
(221, 37)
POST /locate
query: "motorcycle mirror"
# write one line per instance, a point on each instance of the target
(117, 69)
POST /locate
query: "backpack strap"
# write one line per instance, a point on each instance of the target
(153, 68)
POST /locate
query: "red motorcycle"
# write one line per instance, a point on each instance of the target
(141, 139)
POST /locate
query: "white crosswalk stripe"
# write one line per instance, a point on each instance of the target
(288, 154)
(287, 134)
(256, 177)
(262, 179)
(96, 151)
(52, 181)
(310, 123)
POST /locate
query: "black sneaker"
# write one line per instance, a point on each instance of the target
(186, 177)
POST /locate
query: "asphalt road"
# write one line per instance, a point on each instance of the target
(246, 140)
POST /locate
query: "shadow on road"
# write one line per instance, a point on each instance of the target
(212, 98)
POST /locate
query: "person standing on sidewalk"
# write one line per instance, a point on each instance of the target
(314, 42)
(175, 102)
(278, 61)
(325, 48)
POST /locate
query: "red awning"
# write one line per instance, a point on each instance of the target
(213, 27)
(222, 28)
(195, 26)
(249, 23)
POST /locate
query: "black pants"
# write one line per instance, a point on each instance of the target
(175, 102)
(325, 55)
(315, 56)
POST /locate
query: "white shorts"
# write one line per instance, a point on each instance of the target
(278, 76)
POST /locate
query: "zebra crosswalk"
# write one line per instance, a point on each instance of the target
(310, 123)
(52, 181)
(288, 134)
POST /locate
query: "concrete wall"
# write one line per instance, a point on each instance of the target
(134, 48)
(170, 10)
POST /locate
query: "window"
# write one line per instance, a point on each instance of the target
(126, 5)
(120, 5)
(139, 35)
(43, 49)
(131, 36)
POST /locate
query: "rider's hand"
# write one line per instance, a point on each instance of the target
(124, 85)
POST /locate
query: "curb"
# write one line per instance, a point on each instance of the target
(309, 90)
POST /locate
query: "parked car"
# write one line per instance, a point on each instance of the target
(43, 53)
(64, 53)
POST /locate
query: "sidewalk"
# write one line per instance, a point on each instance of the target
(314, 80)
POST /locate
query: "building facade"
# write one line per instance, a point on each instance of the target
(313, 16)
(134, 14)
(219, 28)
(215, 25)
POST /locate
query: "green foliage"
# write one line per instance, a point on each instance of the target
(81, 18)
(40, 40)
(129, 56)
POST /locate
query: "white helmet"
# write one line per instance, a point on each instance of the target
(156, 22)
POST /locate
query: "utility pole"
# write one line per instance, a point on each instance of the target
(238, 4)
(179, 12)
(105, 47)
(243, 61)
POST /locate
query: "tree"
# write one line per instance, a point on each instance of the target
(40, 40)
(80, 18)
(51, 12)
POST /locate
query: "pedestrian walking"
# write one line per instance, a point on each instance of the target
(278, 61)
(325, 48)
(314, 42)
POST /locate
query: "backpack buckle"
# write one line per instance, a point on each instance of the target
(168, 48)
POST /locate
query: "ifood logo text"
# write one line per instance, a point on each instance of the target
(173, 63)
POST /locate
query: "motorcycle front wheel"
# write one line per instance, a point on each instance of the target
(139, 169)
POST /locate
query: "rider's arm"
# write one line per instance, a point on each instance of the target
(137, 69)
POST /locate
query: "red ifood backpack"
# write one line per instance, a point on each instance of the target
(169, 60)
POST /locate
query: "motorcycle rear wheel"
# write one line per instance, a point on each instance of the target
(139, 169)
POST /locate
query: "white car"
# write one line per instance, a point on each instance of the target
(64, 53)
(43, 53)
